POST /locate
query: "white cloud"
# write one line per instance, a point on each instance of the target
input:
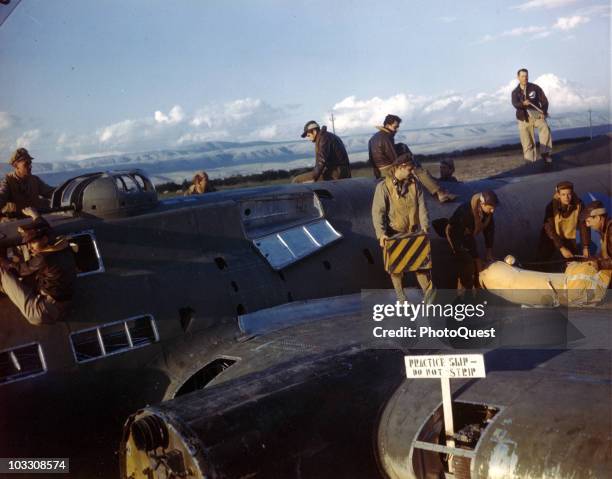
(516, 32)
(351, 113)
(540, 35)
(6, 120)
(176, 115)
(240, 109)
(118, 132)
(357, 115)
(267, 133)
(234, 113)
(200, 137)
(565, 95)
(569, 23)
(539, 31)
(548, 4)
(27, 139)
(595, 10)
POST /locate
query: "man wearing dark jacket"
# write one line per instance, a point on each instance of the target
(21, 189)
(44, 294)
(383, 151)
(331, 159)
(468, 221)
(562, 218)
(531, 111)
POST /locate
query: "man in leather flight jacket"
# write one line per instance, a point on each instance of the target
(331, 158)
(531, 111)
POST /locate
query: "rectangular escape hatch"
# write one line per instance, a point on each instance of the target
(287, 228)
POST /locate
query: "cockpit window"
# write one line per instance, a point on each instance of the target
(22, 362)
(113, 338)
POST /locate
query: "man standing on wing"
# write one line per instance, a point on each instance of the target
(383, 151)
(531, 111)
(399, 208)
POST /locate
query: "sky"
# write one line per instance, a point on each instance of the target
(82, 78)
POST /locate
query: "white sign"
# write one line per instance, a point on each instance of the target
(445, 366)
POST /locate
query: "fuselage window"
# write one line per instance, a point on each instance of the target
(141, 183)
(113, 338)
(130, 184)
(22, 362)
(87, 254)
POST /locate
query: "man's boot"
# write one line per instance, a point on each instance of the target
(396, 279)
(547, 161)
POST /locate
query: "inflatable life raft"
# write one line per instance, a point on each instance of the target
(580, 285)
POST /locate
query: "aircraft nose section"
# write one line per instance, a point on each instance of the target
(154, 449)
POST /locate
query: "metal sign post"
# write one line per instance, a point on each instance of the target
(446, 367)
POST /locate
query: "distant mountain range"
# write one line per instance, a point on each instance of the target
(227, 158)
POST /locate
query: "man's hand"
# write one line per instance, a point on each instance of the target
(31, 212)
(585, 251)
(489, 255)
(382, 240)
(526, 103)
(566, 253)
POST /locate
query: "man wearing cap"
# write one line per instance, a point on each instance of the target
(383, 151)
(331, 159)
(447, 170)
(48, 276)
(399, 207)
(20, 188)
(531, 111)
(596, 218)
(562, 218)
(468, 221)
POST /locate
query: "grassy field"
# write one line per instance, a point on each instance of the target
(469, 167)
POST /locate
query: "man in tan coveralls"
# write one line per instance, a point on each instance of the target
(531, 111)
(399, 207)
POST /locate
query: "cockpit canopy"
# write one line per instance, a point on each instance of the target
(107, 194)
